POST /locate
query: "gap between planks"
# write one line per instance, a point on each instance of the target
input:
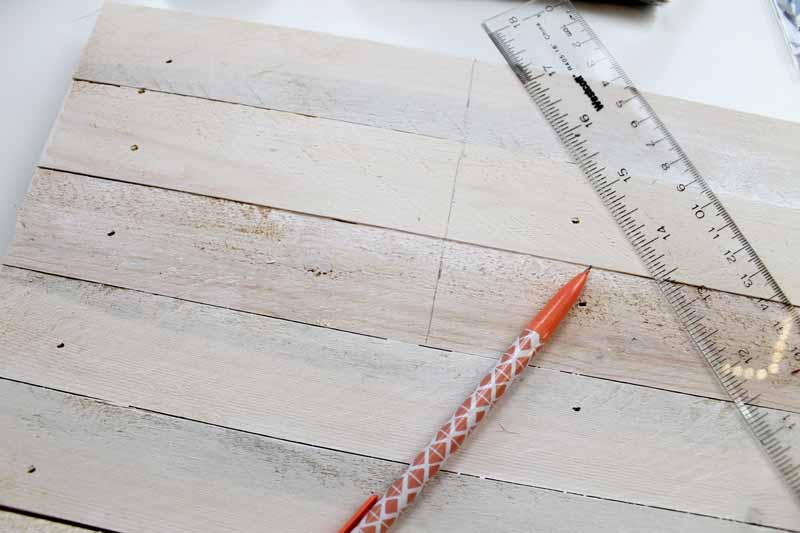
(26, 521)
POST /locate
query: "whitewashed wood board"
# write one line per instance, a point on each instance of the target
(744, 154)
(307, 131)
(279, 68)
(235, 255)
(619, 330)
(125, 469)
(325, 167)
(382, 398)
(355, 278)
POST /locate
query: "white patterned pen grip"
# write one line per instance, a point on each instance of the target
(451, 435)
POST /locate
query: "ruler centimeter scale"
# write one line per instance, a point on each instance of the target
(727, 301)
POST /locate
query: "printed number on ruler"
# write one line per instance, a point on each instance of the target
(726, 299)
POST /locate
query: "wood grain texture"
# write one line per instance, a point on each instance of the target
(213, 479)
(279, 68)
(281, 378)
(359, 279)
(392, 131)
(357, 173)
(235, 255)
(513, 198)
(619, 331)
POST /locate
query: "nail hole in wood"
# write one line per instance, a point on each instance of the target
(134, 147)
(576, 409)
(31, 469)
(575, 220)
(111, 233)
(60, 345)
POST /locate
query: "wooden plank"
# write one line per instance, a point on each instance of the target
(110, 466)
(271, 158)
(356, 278)
(279, 68)
(280, 378)
(20, 523)
(619, 331)
(515, 201)
(235, 255)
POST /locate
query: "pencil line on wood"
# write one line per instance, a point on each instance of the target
(452, 198)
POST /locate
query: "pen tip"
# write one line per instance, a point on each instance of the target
(547, 320)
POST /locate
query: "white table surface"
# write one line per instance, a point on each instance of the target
(722, 52)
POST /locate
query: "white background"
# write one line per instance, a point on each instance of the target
(723, 52)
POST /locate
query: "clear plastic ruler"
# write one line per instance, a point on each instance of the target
(721, 291)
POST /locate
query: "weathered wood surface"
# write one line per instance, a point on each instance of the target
(512, 191)
(283, 379)
(749, 159)
(356, 278)
(384, 86)
(235, 255)
(619, 331)
(279, 68)
(325, 167)
(130, 470)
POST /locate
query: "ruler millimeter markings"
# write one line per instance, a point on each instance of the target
(724, 296)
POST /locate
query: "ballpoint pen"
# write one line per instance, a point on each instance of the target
(376, 515)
